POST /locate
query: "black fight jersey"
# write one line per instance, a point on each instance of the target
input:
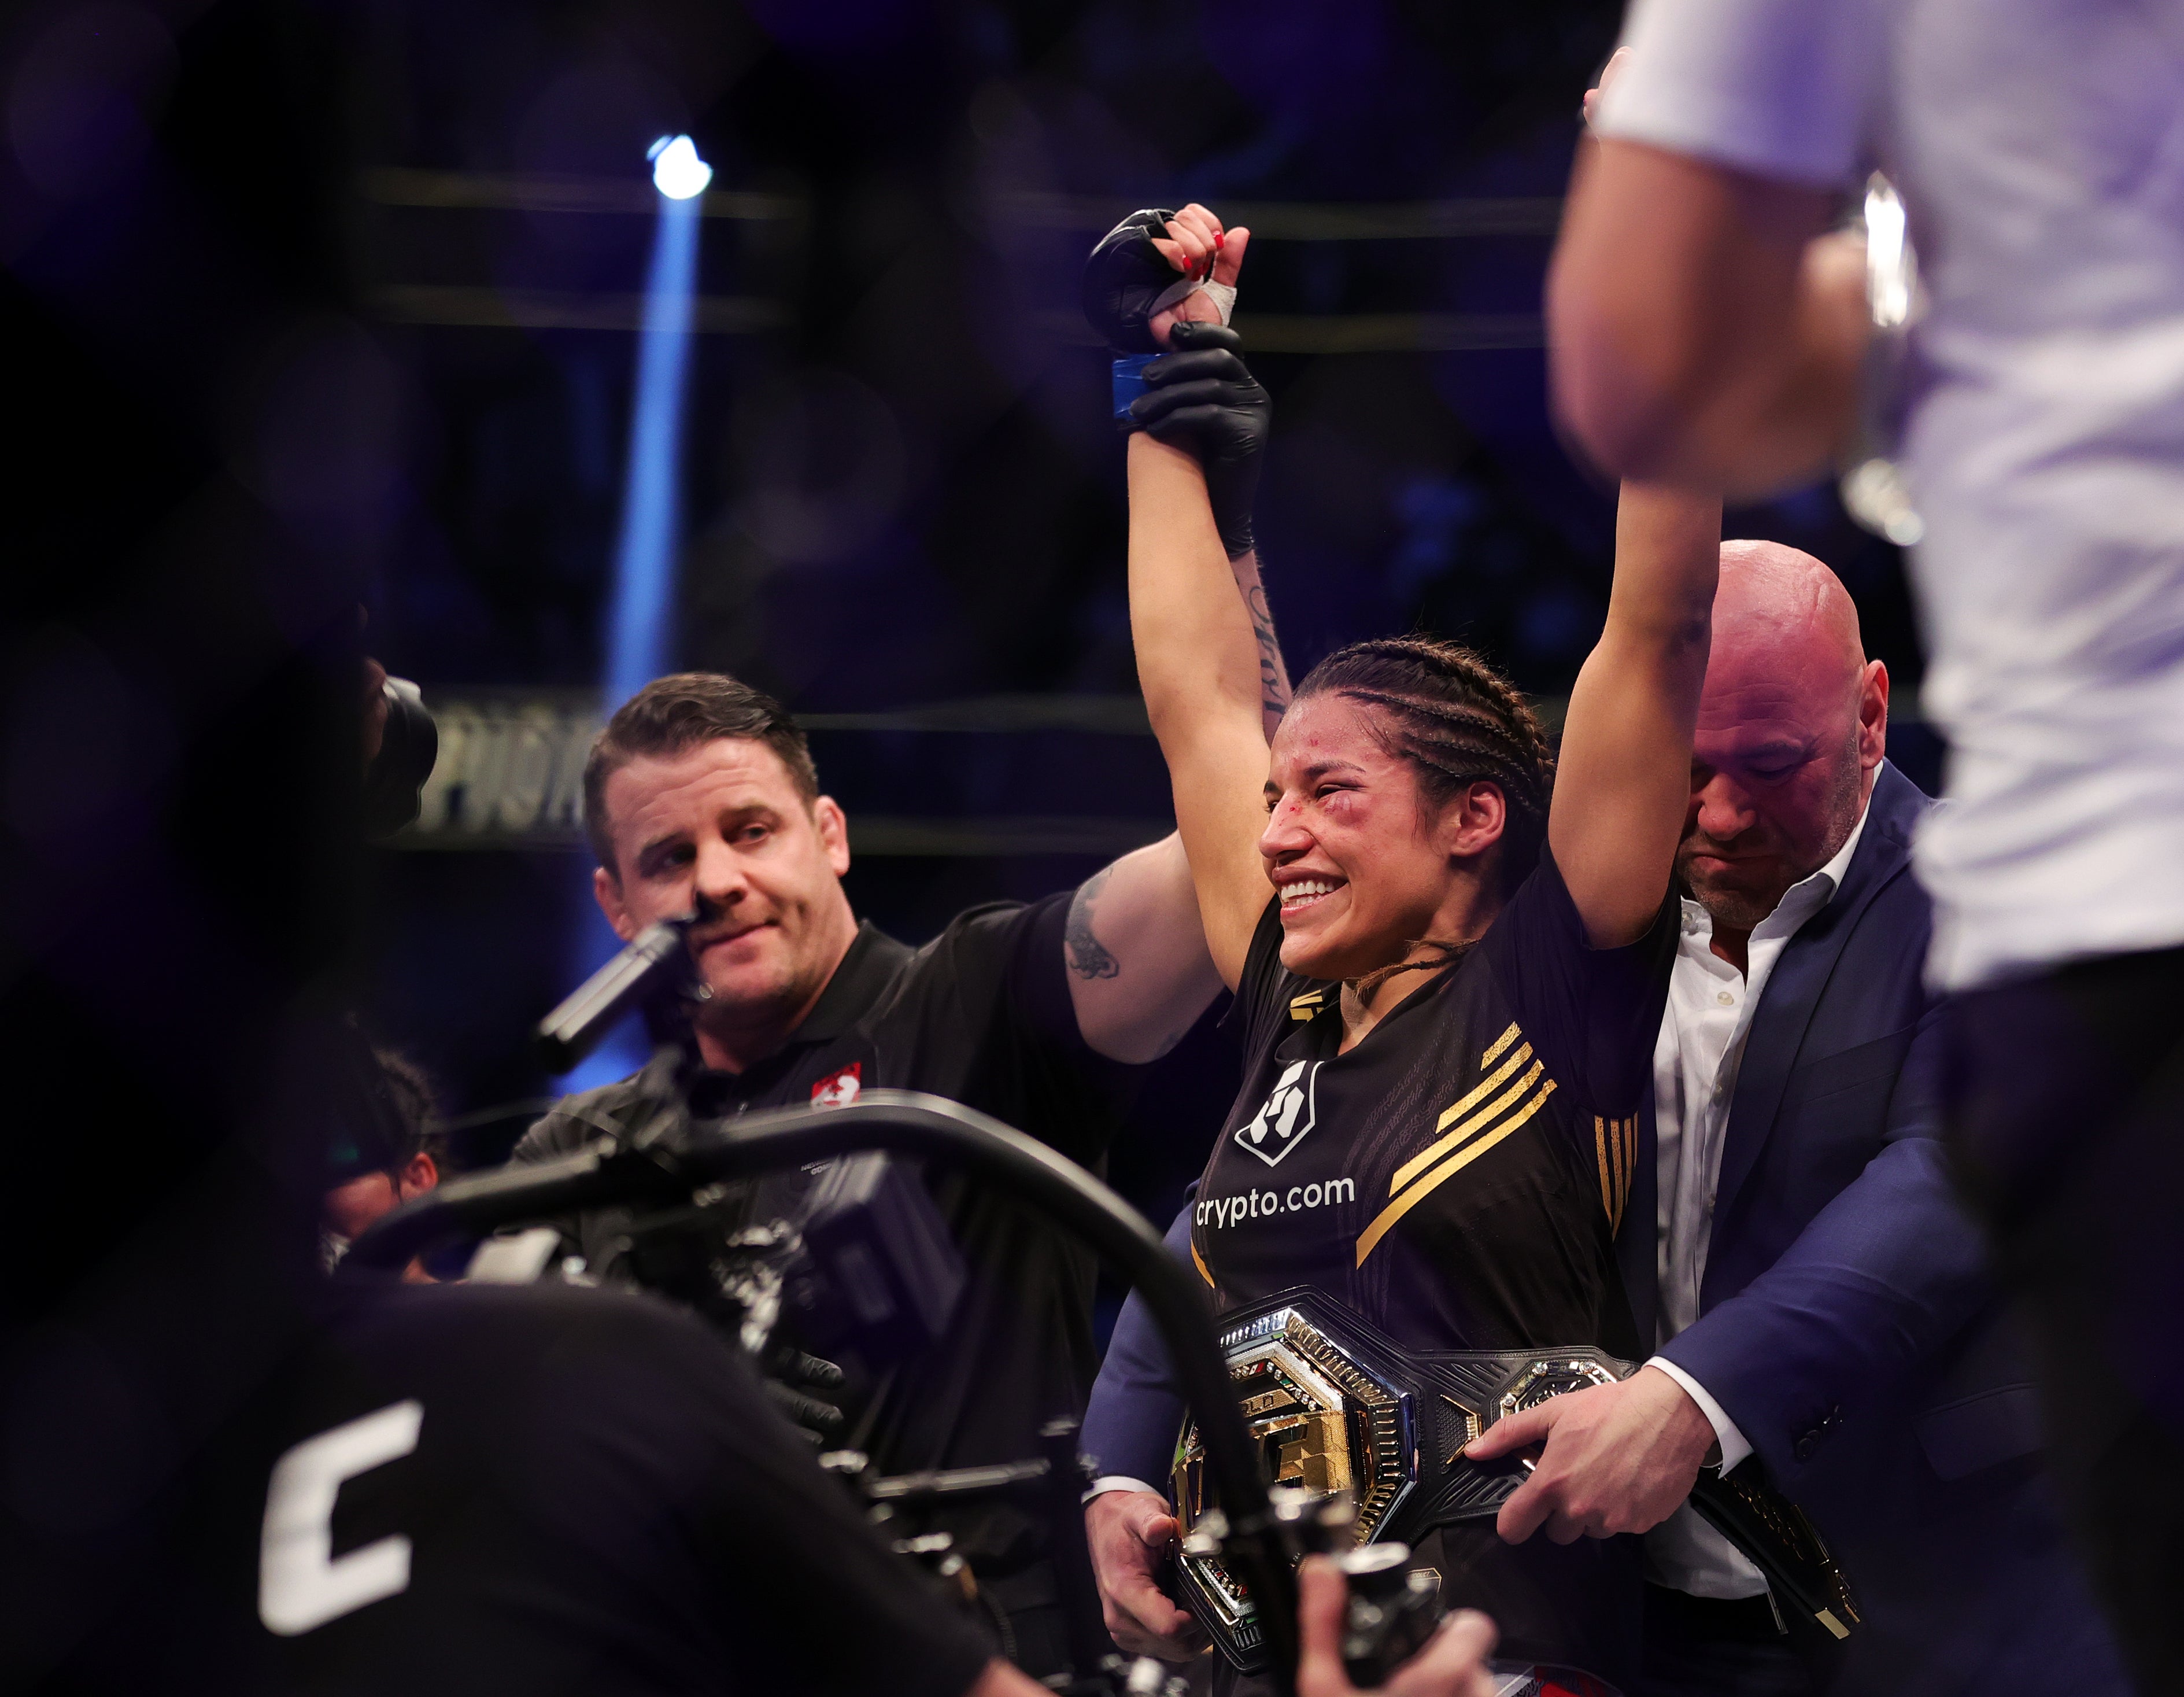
(1457, 1177)
(982, 1015)
(465, 1489)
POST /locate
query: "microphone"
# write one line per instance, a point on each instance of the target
(573, 1029)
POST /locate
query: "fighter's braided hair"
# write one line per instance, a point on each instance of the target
(1458, 722)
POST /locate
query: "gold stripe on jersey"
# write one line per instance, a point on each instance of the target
(1307, 1006)
(1441, 1146)
(1617, 1141)
(1454, 1163)
(1499, 1044)
(1198, 1261)
(1465, 1103)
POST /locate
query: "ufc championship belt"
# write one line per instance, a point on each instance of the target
(1335, 1406)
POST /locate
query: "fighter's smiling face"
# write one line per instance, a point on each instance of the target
(1362, 869)
(723, 827)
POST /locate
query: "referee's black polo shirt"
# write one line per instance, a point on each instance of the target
(983, 1016)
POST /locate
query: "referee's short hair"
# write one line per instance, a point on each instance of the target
(672, 714)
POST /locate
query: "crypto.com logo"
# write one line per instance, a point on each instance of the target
(1287, 1114)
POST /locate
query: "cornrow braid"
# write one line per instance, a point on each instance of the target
(1459, 722)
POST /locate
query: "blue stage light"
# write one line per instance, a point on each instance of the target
(677, 172)
(644, 557)
(641, 618)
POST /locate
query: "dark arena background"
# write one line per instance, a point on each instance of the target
(388, 376)
(382, 272)
(899, 497)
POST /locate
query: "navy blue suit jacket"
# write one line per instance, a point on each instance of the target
(1848, 1324)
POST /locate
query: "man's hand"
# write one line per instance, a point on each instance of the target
(1203, 398)
(1618, 1458)
(808, 1391)
(1453, 1664)
(1131, 1534)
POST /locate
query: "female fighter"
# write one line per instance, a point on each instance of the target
(1450, 952)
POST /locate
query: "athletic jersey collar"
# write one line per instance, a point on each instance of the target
(866, 972)
(1318, 1012)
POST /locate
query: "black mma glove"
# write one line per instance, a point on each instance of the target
(1124, 276)
(1203, 398)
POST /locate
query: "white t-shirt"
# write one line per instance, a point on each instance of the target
(2039, 147)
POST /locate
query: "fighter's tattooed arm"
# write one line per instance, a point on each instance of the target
(1087, 958)
(1273, 675)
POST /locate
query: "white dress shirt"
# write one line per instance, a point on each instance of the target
(1694, 1067)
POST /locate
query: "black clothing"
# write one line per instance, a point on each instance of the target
(1456, 1178)
(981, 1015)
(2065, 1097)
(598, 1499)
(1444, 1177)
(1709, 1647)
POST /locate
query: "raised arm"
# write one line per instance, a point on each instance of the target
(1137, 951)
(1274, 671)
(1198, 664)
(1143, 910)
(1622, 780)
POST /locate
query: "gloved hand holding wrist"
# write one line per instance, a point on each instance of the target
(1203, 398)
(1167, 280)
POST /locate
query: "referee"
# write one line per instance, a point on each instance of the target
(701, 793)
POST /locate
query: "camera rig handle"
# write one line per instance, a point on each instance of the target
(1256, 1545)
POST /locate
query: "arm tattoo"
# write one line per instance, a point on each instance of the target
(1273, 680)
(1087, 957)
(1274, 676)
